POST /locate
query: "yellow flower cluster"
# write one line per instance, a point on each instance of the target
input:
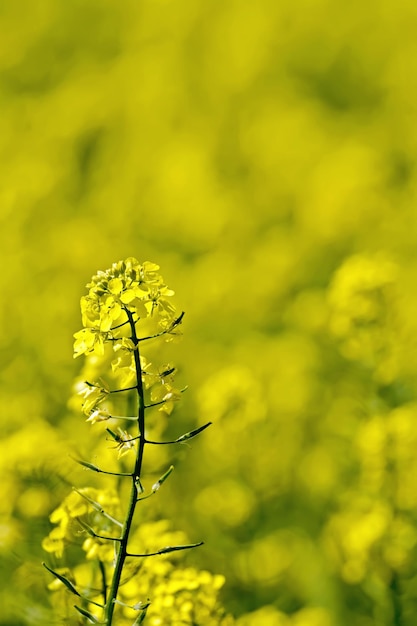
(270, 616)
(177, 595)
(125, 286)
(361, 311)
(126, 290)
(180, 595)
(374, 533)
(80, 508)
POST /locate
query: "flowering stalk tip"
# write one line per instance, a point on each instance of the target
(125, 307)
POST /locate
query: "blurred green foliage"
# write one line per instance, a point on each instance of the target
(264, 155)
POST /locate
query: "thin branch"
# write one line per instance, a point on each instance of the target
(125, 389)
(93, 533)
(94, 468)
(167, 550)
(166, 331)
(149, 406)
(163, 332)
(123, 324)
(146, 497)
(123, 417)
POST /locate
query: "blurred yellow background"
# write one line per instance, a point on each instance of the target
(264, 155)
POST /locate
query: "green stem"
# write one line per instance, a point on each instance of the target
(104, 580)
(396, 599)
(133, 498)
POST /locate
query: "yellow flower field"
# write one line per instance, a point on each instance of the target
(263, 154)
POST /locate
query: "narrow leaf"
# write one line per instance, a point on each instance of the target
(115, 436)
(193, 433)
(86, 527)
(177, 321)
(140, 618)
(89, 466)
(163, 478)
(87, 614)
(94, 468)
(64, 580)
(176, 548)
(98, 507)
